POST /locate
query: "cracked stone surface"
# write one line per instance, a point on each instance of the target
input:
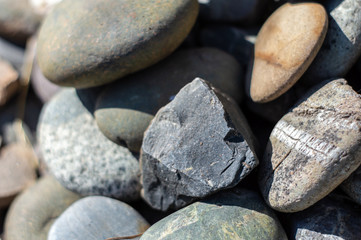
(313, 148)
(196, 145)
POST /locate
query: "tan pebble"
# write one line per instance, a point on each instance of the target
(285, 47)
(8, 81)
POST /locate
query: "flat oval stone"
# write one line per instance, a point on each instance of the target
(125, 109)
(352, 186)
(313, 148)
(342, 45)
(286, 45)
(105, 41)
(78, 154)
(35, 210)
(236, 214)
(17, 171)
(95, 218)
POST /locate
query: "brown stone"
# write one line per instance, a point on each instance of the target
(17, 171)
(286, 45)
(8, 81)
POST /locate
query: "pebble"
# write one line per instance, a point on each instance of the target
(95, 218)
(35, 210)
(108, 40)
(195, 146)
(332, 218)
(342, 45)
(236, 214)
(17, 20)
(313, 148)
(9, 83)
(286, 45)
(17, 171)
(125, 109)
(352, 186)
(78, 154)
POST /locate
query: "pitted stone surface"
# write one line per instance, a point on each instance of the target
(107, 40)
(78, 154)
(196, 145)
(313, 148)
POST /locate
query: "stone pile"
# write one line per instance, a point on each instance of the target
(180, 119)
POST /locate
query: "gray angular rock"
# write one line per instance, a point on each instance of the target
(352, 186)
(125, 108)
(313, 148)
(196, 145)
(95, 218)
(235, 214)
(342, 44)
(78, 154)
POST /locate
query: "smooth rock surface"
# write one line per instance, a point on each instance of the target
(124, 109)
(105, 41)
(43, 7)
(342, 45)
(95, 218)
(313, 148)
(17, 171)
(352, 186)
(8, 81)
(286, 45)
(78, 154)
(237, 214)
(196, 145)
(35, 210)
(332, 218)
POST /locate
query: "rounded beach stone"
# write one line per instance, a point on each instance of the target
(35, 210)
(95, 218)
(78, 154)
(342, 45)
(333, 218)
(105, 41)
(286, 45)
(236, 214)
(17, 171)
(313, 148)
(352, 186)
(125, 109)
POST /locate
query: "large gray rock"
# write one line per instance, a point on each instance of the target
(35, 210)
(352, 186)
(107, 40)
(342, 45)
(95, 218)
(125, 109)
(237, 214)
(313, 148)
(196, 145)
(78, 154)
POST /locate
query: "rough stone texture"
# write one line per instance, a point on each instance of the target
(286, 45)
(95, 218)
(313, 148)
(125, 108)
(108, 40)
(9, 83)
(17, 20)
(196, 145)
(17, 172)
(342, 45)
(352, 186)
(332, 218)
(78, 154)
(12, 53)
(35, 210)
(237, 214)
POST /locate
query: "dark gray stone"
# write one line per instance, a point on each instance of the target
(105, 41)
(196, 145)
(95, 218)
(236, 214)
(79, 156)
(332, 218)
(352, 186)
(125, 109)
